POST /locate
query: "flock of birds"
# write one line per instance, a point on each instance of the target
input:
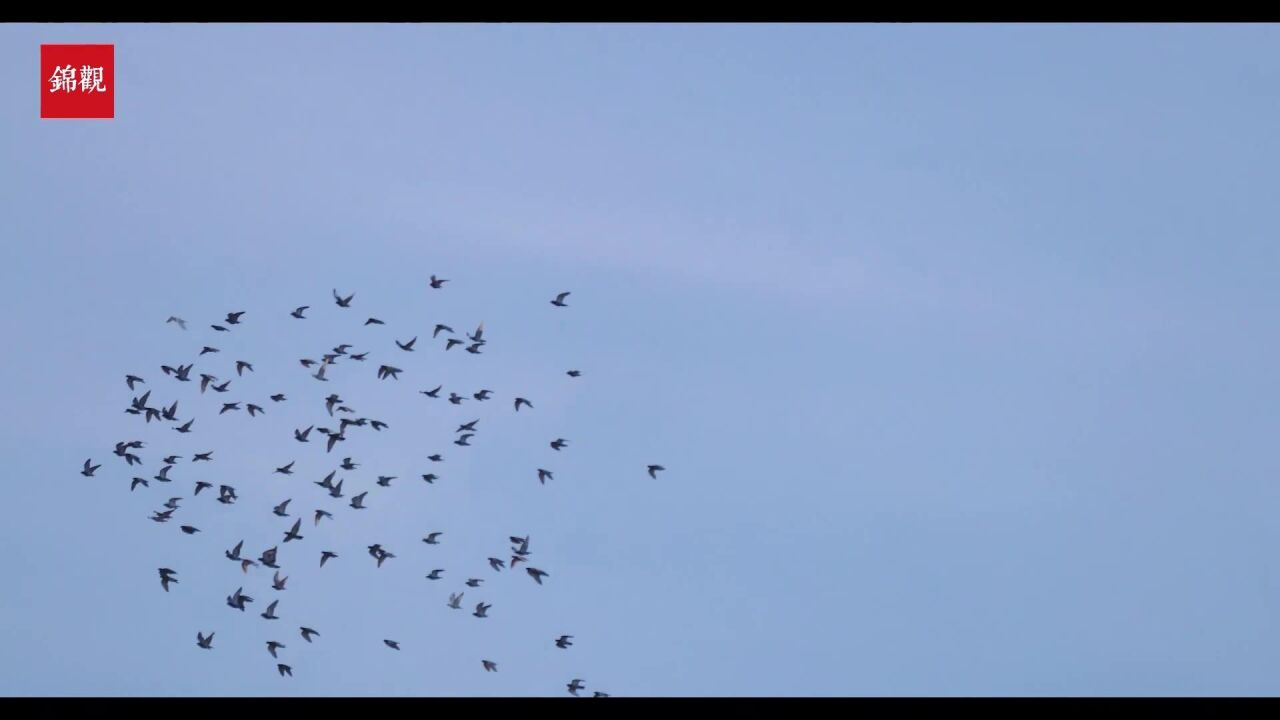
(336, 410)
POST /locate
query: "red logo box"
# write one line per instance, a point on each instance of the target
(77, 81)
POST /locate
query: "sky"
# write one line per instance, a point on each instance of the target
(958, 343)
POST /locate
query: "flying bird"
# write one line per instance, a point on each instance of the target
(473, 582)
(204, 641)
(563, 641)
(437, 283)
(490, 666)
(435, 458)
(278, 397)
(385, 480)
(448, 344)
(254, 410)
(536, 574)
(392, 644)
(455, 600)
(272, 646)
(241, 366)
(575, 686)
(543, 476)
(301, 435)
(229, 406)
(206, 456)
(468, 427)
(341, 301)
(281, 509)
(462, 441)
(175, 319)
(208, 350)
(237, 600)
(131, 379)
(434, 574)
(270, 614)
(166, 577)
(434, 333)
(357, 501)
(287, 469)
(559, 301)
(220, 328)
(558, 443)
(496, 564)
(293, 533)
(653, 471)
(431, 539)
(298, 312)
(89, 469)
(320, 514)
(234, 318)
(573, 373)
(481, 610)
(185, 427)
(284, 669)
(521, 400)
(432, 393)
(482, 395)
(277, 582)
(190, 530)
(407, 346)
(325, 555)
(307, 633)
(374, 321)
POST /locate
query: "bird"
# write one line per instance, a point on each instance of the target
(536, 574)
(254, 410)
(175, 319)
(473, 582)
(432, 393)
(220, 328)
(286, 469)
(206, 456)
(298, 312)
(392, 644)
(320, 514)
(208, 350)
(573, 373)
(278, 397)
(347, 464)
(543, 476)
(430, 478)
(171, 459)
(653, 471)
(161, 517)
(307, 633)
(269, 558)
(188, 529)
(481, 610)
(270, 614)
(172, 504)
(234, 553)
(434, 333)
(563, 641)
(468, 427)
(185, 427)
(374, 321)
(482, 395)
(204, 641)
(385, 480)
(559, 301)
(89, 468)
(131, 379)
(357, 501)
(166, 577)
(520, 400)
(455, 398)
(201, 485)
(272, 646)
(455, 600)
(474, 349)
(138, 481)
(359, 357)
(284, 670)
(435, 458)
(462, 441)
(325, 555)
(597, 694)
(234, 318)
(496, 564)
(301, 435)
(293, 533)
(575, 686)
(277, 582)
(407, 346)
(241, 366)
(448, 344)
(431, 539)
(229, 406)
(437, 283)
(386, 371)
(281, 508)
(331, 401)
(434, 574)
(489, 666)
(221, 388)
(341, 301)
(238, 599)
(558, 443)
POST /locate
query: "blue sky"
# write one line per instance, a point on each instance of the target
(958, 343)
